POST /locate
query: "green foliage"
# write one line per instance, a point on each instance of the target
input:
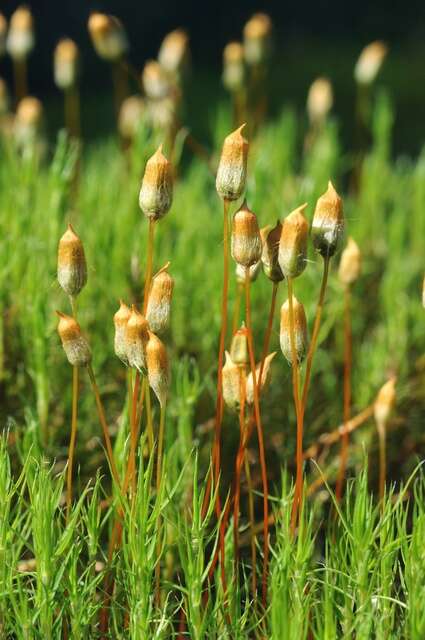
(353, 570)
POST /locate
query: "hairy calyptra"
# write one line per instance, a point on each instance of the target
(72, 268)
(157, 367)
(231, 172)
(292, 255)
(300, 331)
(135, 339)
(246, 244)
(327, 227)
(156, 192)
(75, 345)
(121, 318)
(159, 301)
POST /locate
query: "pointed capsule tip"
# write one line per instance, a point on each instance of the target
(331, 187)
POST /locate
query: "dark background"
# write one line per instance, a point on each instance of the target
(311, 38)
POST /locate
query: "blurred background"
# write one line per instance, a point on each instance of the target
(310, 38)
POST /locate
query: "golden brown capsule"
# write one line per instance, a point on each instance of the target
(300, 331)
(161, 114)
(155, 80)
(156, 192)
(158, 368)
(130, 116)
(253, 272)
(30, 112)
(121, 319)
(246, 245)
(369, 62)
(231, 173)
(319, 101)
(270, 254)
(173, 55)
(261, 384)
(292, 255)
(28, 123)
(350, 264)
(233, 377)
(76, 347)
(159, 302)
(257, 38)
(20, 40)
(66, 64)
(136, 337)
(234, 72)
(327, 227)
(384, 403)
(72, 267)
(108, 36)
(239, 352)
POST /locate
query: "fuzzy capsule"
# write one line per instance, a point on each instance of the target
(173, 54)
(350, 264)
(300, 331)
(319, 101)
(231, 172)
(65, 64)
(121, 318)
(369, 62)
(239, 352)
(234, 72)
(76, 347)
(232, 381)
(20, 39)
(30, 112)
(136, 337)
(72, 267)
(156, 192)
(384, 403)
(158, 368)
(261, 384)
(270, 253)
(327, 227)
(28, 122)
(155, 80)
(108, 36)
(253, 272)
(130, 116)
(162, 113)
(257, 38)
(3, 34)
(292, 256)
(246, 244)
(159, 302)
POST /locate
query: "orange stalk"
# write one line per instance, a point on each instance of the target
(102, 420)
(315, 335)
(72, 112)
(158, 486)
(240, 457)
(20, 77)
(149, 263)
(296, 505)
(347, 392)
(252, 527)
(72, 441)
(133, 431)
(260, 439)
